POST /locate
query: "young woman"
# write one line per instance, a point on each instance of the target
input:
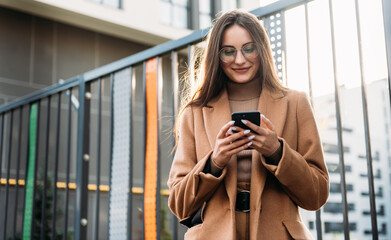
(229, 183)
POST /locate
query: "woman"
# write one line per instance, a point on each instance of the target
(229, 183)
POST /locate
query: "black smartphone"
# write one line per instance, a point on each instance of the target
(252, 116)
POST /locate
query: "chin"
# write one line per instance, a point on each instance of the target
(241, 80)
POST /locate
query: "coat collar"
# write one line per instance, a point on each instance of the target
(274, 107)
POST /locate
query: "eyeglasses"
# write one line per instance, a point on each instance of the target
(228, 54)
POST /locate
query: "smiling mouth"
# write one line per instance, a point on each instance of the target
(241, 70)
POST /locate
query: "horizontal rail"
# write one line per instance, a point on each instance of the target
(72, 186)
(158, 50)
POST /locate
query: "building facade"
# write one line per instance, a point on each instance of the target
(355, 162)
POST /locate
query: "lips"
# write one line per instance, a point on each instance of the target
(241, 69)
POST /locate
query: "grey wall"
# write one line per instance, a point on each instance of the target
(36, 52)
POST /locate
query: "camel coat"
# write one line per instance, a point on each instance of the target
(300, 179)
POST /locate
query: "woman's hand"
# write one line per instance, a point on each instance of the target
(229, 143)
(265, 141)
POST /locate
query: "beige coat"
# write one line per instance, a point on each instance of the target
(300, 179)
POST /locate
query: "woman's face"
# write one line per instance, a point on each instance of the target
(241, 69)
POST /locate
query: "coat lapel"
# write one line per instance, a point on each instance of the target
(215, 116)
(274, 106)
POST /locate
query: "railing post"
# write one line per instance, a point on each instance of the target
(339, 128)
(83, 157)
(387, 33)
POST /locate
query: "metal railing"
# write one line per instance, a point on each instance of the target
(49, 141)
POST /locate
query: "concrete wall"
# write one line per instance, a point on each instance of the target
(37, 52)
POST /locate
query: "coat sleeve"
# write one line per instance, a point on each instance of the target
(302, 171)
(189, 186)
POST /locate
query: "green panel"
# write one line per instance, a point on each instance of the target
(29, 201)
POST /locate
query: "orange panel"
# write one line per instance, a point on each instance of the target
(151, 151)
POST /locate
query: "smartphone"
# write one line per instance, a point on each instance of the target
(253, 116)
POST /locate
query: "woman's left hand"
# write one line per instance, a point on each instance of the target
(265, 140)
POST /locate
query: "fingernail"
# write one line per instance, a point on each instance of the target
(247, 132)
(231, 122)
(251, 137)
(249, 144)
(243, 121)
(233, 128)
(230, 133)
(263, 115)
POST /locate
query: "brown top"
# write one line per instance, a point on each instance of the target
(244, 97)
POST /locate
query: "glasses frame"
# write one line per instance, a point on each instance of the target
(236, 51)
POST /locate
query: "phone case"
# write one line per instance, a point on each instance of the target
(252, 116)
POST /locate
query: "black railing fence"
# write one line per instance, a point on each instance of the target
(89, 158)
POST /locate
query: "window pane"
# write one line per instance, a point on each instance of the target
(165, 13)
(204, 6)
(111, 3)
(180, 17)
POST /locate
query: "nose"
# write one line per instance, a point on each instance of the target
(239, 58)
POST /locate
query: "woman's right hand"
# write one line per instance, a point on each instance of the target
(229, 143)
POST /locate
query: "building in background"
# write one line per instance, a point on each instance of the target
(356, 162)
(44, 41)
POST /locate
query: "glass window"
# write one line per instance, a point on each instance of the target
(337, 227)
(336, 207)
(205, 13)
(336, 187)
(174, 13)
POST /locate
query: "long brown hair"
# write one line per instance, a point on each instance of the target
(211, 78)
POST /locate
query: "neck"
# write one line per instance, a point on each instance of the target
(244, 91)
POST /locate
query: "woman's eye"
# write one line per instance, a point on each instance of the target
(249, 49)
(229, 52)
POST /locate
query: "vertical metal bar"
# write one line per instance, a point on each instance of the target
(145, 141)
(130, 200)
(387, 33)
(307, 28)
(9, 155)
(174, 77)
(98, 143)
(17, 172)
(68, 160)
(190, 64)
(83, 156)
(151, 153)
(43, 207)
(375, 234)
(339, 127)
(26, 165)
(159, 108)
(111, 136)
(56, 156)
(36, 166)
